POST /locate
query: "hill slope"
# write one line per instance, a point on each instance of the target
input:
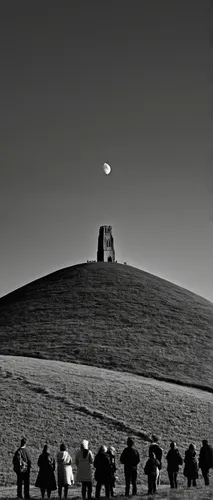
(52, 401)
(113, 316)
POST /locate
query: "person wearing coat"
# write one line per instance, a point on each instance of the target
(206, 460)
(191, 466)
(65, 474)
(174, 459)
(22, 465)
(84, 461)
(158, 451)
(111, 455)
(151, 469)
(46, 477)
(102, 472)
(130, 458)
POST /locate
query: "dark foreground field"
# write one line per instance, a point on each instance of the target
(53, 401)
(112, 316)
(164, 493)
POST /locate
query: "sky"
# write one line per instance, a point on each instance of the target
(126, 82)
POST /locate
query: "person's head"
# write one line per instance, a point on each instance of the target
(130, 442)
(84, 445)
(62, 447)
(154, 438)
(23, 442)
(102, 449)
(46, 449)
(172, 445)
(192, 447)
(204, 442)
(111, 450)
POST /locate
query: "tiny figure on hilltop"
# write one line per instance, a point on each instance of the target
(111, 455)
(191, 466)
(65, 474)
(174, 459)
(158, 451)
(103, 471)
(130, 458)
(151, 469)
(46, 477)
(206, 460)
(22, 465)
(84, 461)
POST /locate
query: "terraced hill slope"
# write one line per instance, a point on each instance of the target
(113, 316)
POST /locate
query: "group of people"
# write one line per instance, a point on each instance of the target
(105, 468)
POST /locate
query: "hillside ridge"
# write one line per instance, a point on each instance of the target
(114, 316)
(81, 266)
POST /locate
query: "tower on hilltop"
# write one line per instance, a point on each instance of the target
(106, 252)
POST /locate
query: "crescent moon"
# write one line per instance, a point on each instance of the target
(106, 168)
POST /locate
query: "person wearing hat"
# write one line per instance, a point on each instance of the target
(84, 461)
(130, 458)
(206, 460)
(46, 477)
(111, 455)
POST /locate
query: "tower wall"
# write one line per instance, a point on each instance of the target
(106, 252)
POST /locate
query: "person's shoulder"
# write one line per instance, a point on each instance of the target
(28, 452)
(125, 450)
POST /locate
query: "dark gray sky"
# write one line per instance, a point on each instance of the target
(122, 81)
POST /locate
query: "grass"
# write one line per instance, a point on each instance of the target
(163, 493)
(54, 401)
(113, 316)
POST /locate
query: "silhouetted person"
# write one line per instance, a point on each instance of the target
(151, 469)
(111, 455)
(65, 474)
(158, 451)
(191, 466)
(130, 458)
(174, 459)
(103, 471)
(84, 461)
(46, 477)
(22, 465)
(206, 460)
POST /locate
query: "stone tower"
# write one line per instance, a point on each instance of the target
(106, 252)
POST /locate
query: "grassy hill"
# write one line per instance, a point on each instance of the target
(53, 401)
(113, 316)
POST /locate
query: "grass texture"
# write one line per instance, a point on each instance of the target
(53, 401)
(113, 316)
